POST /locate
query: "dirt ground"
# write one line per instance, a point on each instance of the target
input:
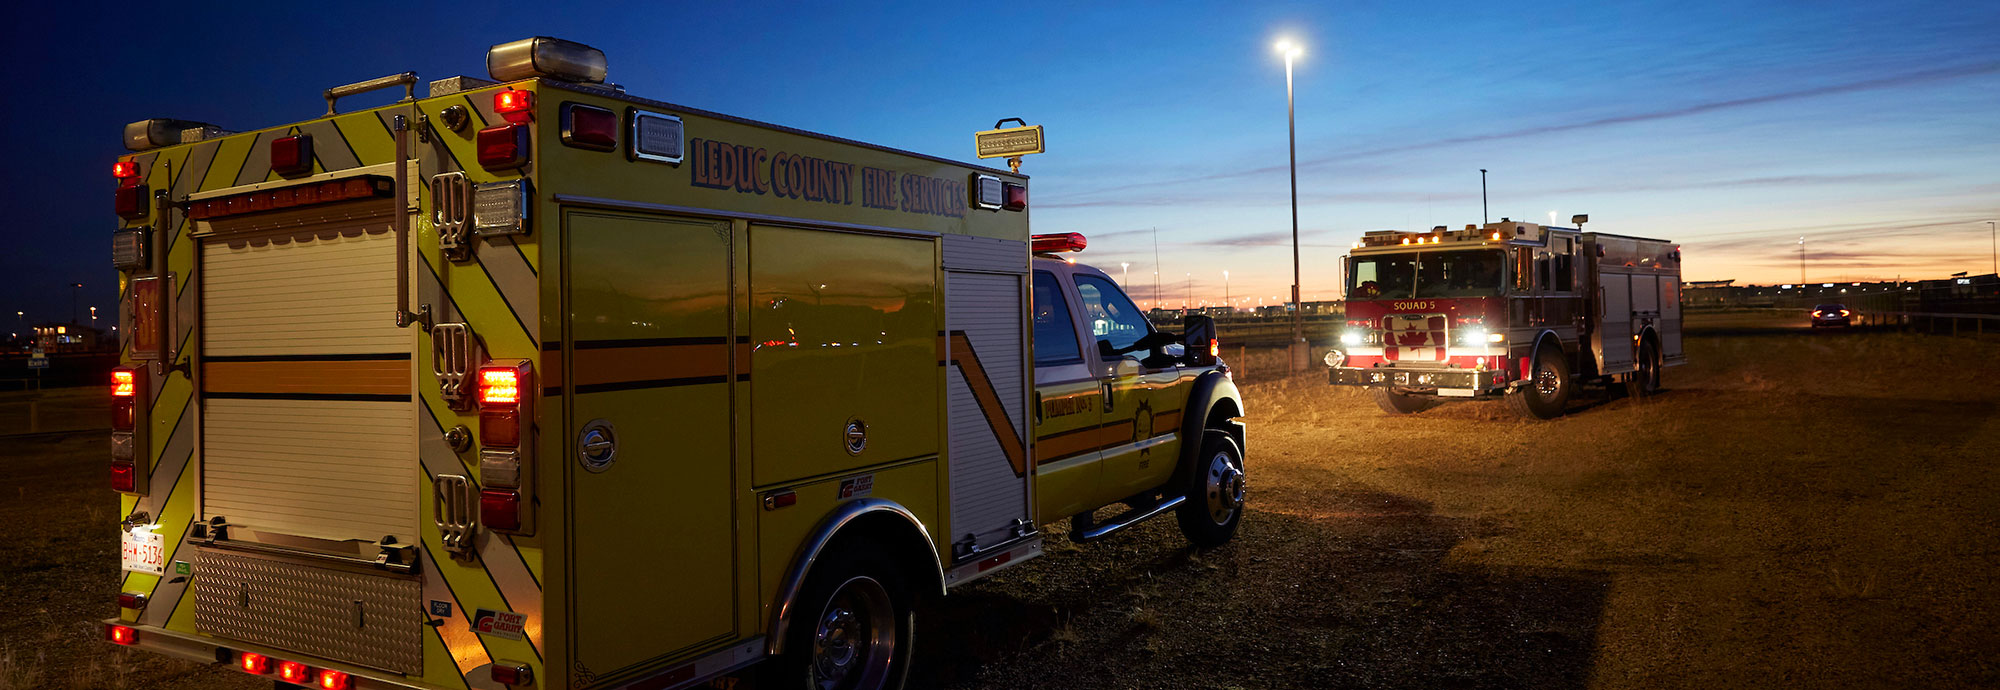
(1796, 510)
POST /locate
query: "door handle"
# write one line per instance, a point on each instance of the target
(1104, 388)
(1038, 407)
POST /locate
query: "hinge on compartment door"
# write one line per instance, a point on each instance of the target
(451, 211)
(455, 504)
(455, 354)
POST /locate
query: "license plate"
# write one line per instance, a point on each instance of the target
(144, 551)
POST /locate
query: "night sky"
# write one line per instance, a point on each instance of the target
(1871, 129)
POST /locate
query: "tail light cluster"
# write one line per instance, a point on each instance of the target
(126, 383)
(132, 194)
(506, 419)
(294, 672)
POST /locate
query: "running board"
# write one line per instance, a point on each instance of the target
(1089, 530)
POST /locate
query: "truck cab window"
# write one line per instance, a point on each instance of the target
(1524, 269)
(1055, 333)
(1112, 316)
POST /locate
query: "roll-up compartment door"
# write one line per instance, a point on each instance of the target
(308, 427)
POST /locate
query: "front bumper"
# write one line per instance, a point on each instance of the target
(1462, 383)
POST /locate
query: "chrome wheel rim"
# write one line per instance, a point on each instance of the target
(1224, 489)
(855, 638)
(1546, 382)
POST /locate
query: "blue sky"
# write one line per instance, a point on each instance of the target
(1872, 129)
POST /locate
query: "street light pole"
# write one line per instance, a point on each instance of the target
(1225, 292)
(75, 290)
(1802, 262)
(1292, 133)
(1484, 215)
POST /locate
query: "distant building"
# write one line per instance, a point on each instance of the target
(66, 337)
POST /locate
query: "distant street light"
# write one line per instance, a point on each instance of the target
(1225, 291)
(1802, 260)
(1296, 354)
(93, 316)
(1125, 280)
(75, 290)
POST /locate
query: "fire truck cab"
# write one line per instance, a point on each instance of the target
(1509, 309)
(533, 383)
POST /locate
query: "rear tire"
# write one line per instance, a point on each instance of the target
(1645, 380)
(1546, 393)
(854, 628)
(1393, 402)
(1214, 505)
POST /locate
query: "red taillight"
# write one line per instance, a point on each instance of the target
(252, 662)
(119, 634)
(131, 600)
(503, 146)
(124, 398)
(1214, 348)
(1014, 197)
(131, 202)
(500, 509)
(291, 156)
(294, 672)
(125, 170)
(334, 680)
(514, 104)
(504, 391)
(499, 386)
(122, 474)
(1066, 242)
(1845, 312)
(589, 127)
(500, 428)
(512, 673)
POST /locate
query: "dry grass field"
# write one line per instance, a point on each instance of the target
(1796, 510)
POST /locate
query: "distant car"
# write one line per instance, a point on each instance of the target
(1831, 316)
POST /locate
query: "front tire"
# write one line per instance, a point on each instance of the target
(856, 619)
(1544, 395)
(1393, 402)
(1215, 493)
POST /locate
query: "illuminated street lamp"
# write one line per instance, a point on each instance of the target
(1802, 259)
(1126, 278)
(1291, 51)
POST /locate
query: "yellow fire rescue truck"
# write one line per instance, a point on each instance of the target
(1515, 310)
(531, 383)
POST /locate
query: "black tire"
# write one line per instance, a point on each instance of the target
(855, 591)
(1545, 395)
(1645, 380)
(1393, 402)
(1214, 505)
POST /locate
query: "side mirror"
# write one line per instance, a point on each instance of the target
(1198, 335)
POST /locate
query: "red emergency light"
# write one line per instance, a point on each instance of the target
(119, 634)
(294, 672)
(1014, 197)
(589, 127)
(130, 202)
(125, 170)
(502, 147)
(1066, 242)
(514, 104)
(292, 156)
(254, 663)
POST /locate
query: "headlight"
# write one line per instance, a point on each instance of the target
(1472, 336)
(1335, 358)
(1350, 338)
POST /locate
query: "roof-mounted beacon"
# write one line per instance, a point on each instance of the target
(551, 58)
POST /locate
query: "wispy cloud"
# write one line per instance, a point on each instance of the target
(1899, 80)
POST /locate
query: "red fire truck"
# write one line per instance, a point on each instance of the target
(1509, 309)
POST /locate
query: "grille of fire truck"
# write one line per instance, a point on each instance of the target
(1415, 337)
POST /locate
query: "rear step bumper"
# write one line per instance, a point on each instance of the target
(205, 650)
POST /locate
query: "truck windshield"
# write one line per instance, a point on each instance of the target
(1475, 273)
